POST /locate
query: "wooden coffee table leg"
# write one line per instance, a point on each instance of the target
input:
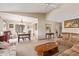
(42, 54)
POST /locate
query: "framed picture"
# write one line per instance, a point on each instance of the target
(73, 23)
(48, 27)
(11, 26)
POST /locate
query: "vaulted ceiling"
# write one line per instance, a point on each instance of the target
(8, 10)
(28, 7)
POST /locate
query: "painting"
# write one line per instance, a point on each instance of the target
(11, 26)
(48, 27)
(73, 23)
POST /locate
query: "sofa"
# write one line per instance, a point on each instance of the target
(5, 36)
(74, 51)
(67, 44)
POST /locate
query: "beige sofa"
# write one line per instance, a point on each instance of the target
(74, 51)
(67, 44)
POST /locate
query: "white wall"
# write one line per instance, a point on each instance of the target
(2, 24)
(65, 12)
(42, 28)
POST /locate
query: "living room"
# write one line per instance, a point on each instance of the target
(44, 23)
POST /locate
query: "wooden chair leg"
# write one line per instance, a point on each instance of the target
(18, 40)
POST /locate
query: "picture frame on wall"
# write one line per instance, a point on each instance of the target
(73, 23)
(11, 26)
(48, 27)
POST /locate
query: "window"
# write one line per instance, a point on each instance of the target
(19, 28)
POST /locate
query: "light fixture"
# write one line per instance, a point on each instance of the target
(21, 21)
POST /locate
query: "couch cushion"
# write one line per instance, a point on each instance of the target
(66, 52)
(65, 36)
(74, 54)
(65, 43)
(74, 39)
(75, 48)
